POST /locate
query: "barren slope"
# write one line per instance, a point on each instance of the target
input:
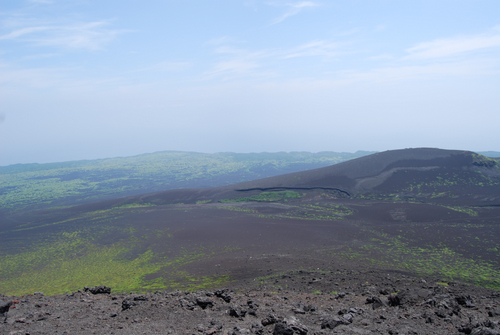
(425, 211)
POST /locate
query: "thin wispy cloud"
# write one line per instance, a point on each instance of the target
(294, 9)
(243, 63)
(166, 66)
(234, 67)
(89, 35)
(24, 31)
(441, 48)
(39, 56)
(237, 62)
(225, 49)
(314, 48)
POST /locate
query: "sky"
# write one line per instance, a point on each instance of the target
(87, 79)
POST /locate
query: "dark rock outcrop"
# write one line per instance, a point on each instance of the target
(98, 289)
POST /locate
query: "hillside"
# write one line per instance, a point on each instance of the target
(32, 186)
(424, 174)
(421, 211)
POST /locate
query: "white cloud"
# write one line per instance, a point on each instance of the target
(234, 66)
(225, 49)
(314, 48)
(238, 62)
(89, 35)
(242, 63)
(294, 9)
(24, 31)
(441, 48)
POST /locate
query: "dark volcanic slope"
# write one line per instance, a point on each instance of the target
(425, 211)
(446, 176)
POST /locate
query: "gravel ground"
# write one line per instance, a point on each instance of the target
(300, 302)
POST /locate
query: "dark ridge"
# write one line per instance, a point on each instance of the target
(473, 179)
(451, 161)
(294, 188)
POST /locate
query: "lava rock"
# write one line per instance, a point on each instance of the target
(187, 304)
(465, 300)
(4, 307)
(409, 297)
(128, 303)
(237, 312)
(204, 302)
(334, 322)
(375, 301)
(340, 295)
(224, 295)
(495, 312)
(282, 328)
(394, 300)
(484, 331)
(269, 320)
(141, 298)
(98, 289)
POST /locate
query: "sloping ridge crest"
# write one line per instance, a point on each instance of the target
(344, 175)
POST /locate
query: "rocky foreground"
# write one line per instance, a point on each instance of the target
(337, 302)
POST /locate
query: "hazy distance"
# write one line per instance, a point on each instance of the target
(93, 79)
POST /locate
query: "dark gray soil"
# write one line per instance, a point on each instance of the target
(343, 302)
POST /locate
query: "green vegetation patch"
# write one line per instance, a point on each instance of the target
(182, 280)
(319, 212)
(483, 161)
(72, 263)
(330, 208)
(396, 253)
(74, 260)
(135, 205)
(462, 209)
(267, 197)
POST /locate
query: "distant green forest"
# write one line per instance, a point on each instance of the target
(38, 186)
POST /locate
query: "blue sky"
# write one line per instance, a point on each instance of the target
(84, 79)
